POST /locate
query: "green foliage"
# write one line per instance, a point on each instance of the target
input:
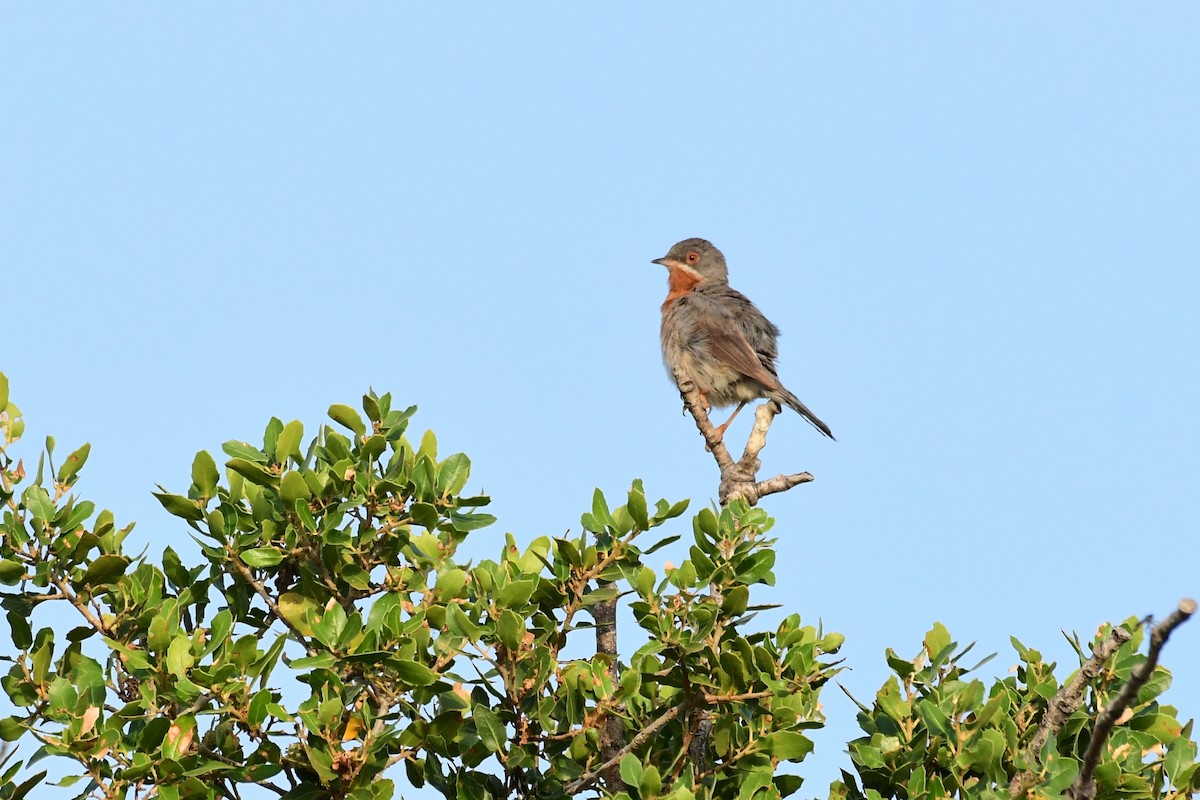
(935, 732)
(331, 633)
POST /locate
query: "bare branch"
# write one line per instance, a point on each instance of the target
(739, 479)
(1084, 787)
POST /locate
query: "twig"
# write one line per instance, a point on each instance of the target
(588, 777)
(245, 574)
(1084, 787)
(739, 479)
(1066, 702)
(80, 605)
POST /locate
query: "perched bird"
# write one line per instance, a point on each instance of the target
(716, 335)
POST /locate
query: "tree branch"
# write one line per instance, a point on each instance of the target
(588, 777)
(739, 479)
(612, 730)
(1066, 702)
(244, 571)
(1084, 787)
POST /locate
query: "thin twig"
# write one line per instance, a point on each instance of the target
(80, 606)
(1084, 787)
(1066, 702)
(588, 777)
(246, 575)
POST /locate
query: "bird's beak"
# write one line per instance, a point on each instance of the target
(666, 262)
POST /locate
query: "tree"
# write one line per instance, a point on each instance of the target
(331, 633)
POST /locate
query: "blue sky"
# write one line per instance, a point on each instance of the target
(975, 226)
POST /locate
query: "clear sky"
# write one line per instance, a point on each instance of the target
(975, 226)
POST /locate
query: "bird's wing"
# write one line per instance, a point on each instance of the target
(728, 344)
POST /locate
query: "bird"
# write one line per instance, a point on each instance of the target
(717, 337)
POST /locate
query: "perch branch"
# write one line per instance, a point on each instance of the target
(739, 479)
(1084, 787)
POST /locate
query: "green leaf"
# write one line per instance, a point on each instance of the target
(453, 473)
(937, 639)
(244, 450)
(292, 487)
(348, 418)
(258, 707)
(296, 608)
(204, 474)
(26, 786)
(179, 506)
(218, 631)
(3, 391)
(11, 729)
(757, 567)
(329, 625)
(320, 661)
(178, 740)
(600, 512)
(262, 556)
(19, 630)
(651, 783)
(70, 468)
(450, 584)
(288, 444)
(412, 672)
(460, 624)
(37, 500)
(253, 472)
(631, 770)
(515, 594)
(11, 572)
(637, 506)
(173, 568)
(511, 629)
(790, 784)
(179, 656)
(104, 570)
(425, 515)
(428, 446)
(464, 523)
(489, 727)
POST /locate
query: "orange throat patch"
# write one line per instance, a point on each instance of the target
(679, 283)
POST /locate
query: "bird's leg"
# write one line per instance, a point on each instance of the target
(703, 402)
(722, 428)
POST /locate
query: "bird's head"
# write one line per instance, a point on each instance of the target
(697, 257)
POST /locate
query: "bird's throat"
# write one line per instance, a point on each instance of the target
(679, 283)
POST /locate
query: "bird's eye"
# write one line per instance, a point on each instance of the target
(692, 258)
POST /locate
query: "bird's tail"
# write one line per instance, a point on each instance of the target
(793, 402)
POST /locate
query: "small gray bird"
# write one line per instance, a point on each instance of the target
(716, 335)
